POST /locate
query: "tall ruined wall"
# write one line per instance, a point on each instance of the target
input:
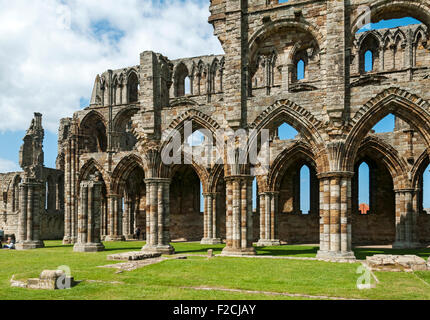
(256, 85)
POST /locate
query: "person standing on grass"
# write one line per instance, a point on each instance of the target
(137, 232)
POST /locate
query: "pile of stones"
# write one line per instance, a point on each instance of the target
(394, 263)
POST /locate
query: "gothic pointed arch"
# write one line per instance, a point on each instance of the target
(386, 154)
(391, 9)
(401, 103)
(90, 167)
(298, 117)
(298, 152)
(93, 133)
(123, 170)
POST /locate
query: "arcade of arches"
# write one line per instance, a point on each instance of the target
(284, 63)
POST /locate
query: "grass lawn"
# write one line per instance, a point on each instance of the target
(168, 279)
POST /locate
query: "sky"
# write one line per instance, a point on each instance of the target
(52, 50)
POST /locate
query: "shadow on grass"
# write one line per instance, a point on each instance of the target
(59, 246)
(362, 253)
(288, 251)
(122, 249)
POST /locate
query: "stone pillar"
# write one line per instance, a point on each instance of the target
(210, 223)
(89, 216)
(127, 226)
(268, 212)
(406, 219)
(70, 201)
(239, 226)
(335, 214)
(114, 219)
(29, 216)
(158, 216)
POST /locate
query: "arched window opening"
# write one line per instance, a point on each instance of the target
(181, 74)
(93, 131)
(187, 86)
(300, 70)
(368, 61)
(387, 124)
(426, 191)
(286, 132)
(15, 202)
(133, 88)
(125, 139)
(305, 190)
(254, 194)
(364, 188)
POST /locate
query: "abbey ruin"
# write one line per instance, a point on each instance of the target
(110, 176)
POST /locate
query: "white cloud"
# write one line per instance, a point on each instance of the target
(47, 67)
(8, 166)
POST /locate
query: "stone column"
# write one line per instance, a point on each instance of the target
(114, 219)
(89, 216)
(158, 216)
(268, 212)
(209, 221)
(29, 216)
(406, 218)
(127, 219)
(70, 203)
(335, 214)
(239, 224)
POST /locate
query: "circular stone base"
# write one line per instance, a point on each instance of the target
(29, 245)
(114, 238)
(168, 250)
(239, 252)
(211, 241)
(88, 247)
(268, 243)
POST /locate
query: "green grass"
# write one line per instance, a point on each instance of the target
(167, 279)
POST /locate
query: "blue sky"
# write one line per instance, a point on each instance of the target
(53, 50)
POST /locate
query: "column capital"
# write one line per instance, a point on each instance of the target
(406, 190)
(113, 196)
(210, 194)
(240, 177)
(335, 174)
(271, 193)
(157, 180)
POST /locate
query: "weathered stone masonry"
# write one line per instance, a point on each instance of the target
(121, 136)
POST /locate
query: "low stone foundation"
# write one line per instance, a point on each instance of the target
(395, 263)
(48, 280)
(133, 256)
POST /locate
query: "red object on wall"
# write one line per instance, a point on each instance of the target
(364, 208)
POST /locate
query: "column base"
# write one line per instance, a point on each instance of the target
(211, 241)
(114, 238)
(88, 247)
(238, 252)
(68, 241)
(29, 245)
(268, 243)
(168, 249)
(336, 256)
(407, 245)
